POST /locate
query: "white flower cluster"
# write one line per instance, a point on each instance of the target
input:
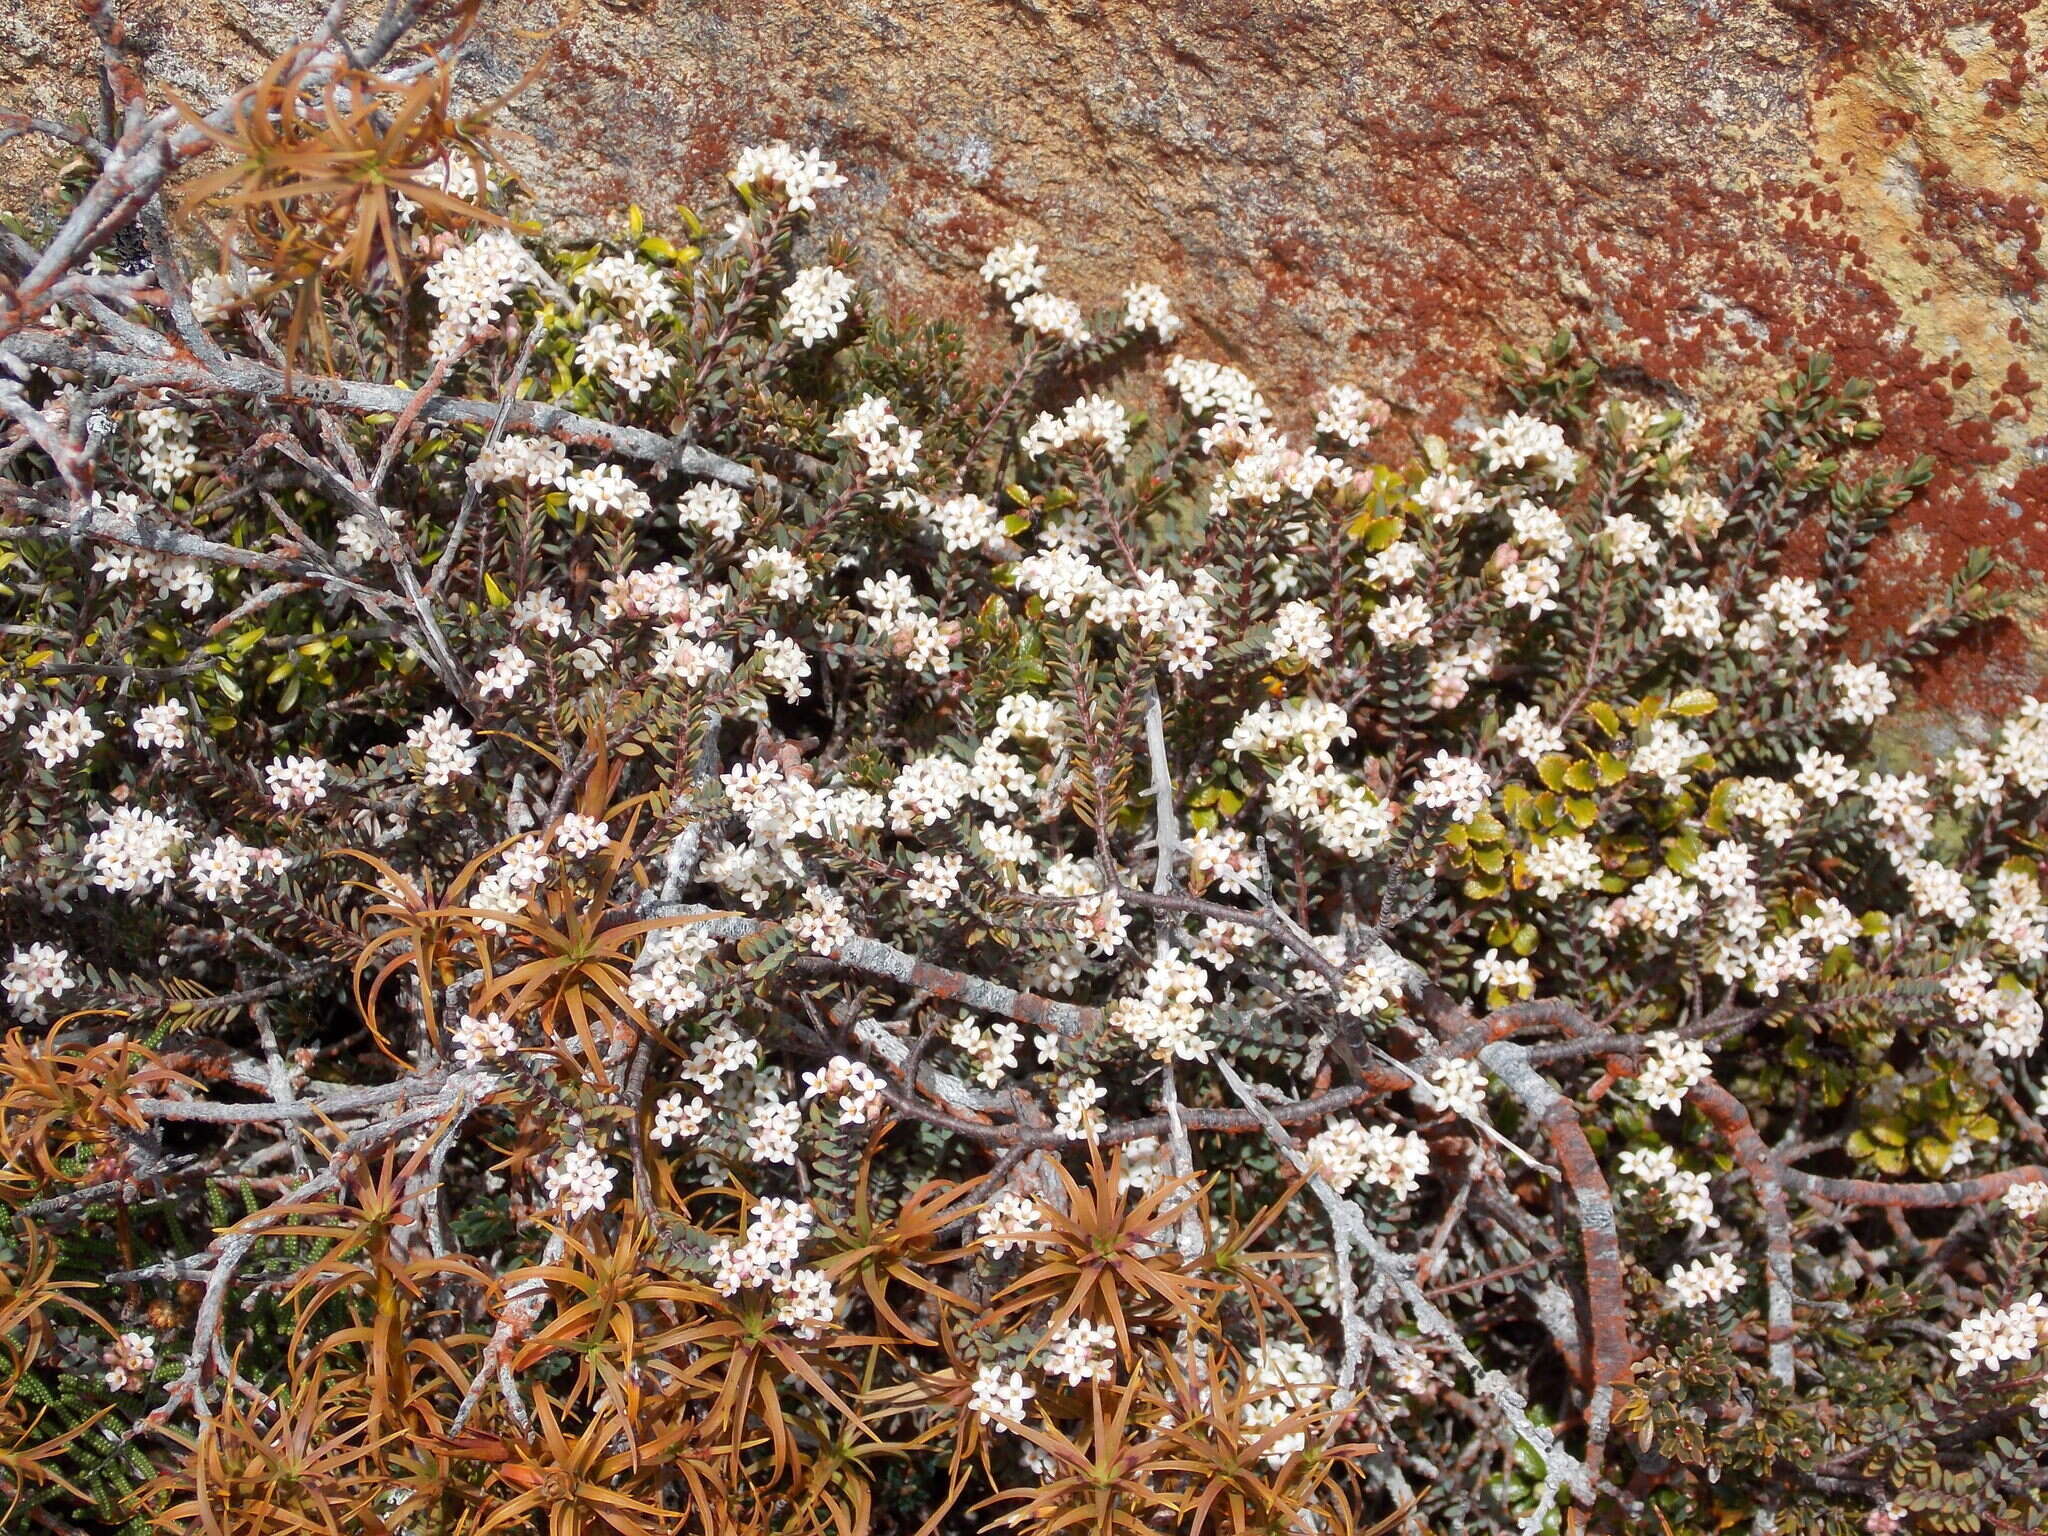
(634, 364)
(992, 1048)
(1217, 391)
(536, 462)
(1675, 1064)
(999, 1396)
(678, 1119)
(1081, 1351)
(1704, 1280)
(63, 734)
(776, 1230)
(579, 1182)
(2017, 919)
(636, 290)
(1147, 308)
(441, 749)
(798, 175)
(507, 888)
(1864, 694)
(1456, 1085)
(2011, 1017)
(2028, 1201)
(481, 1040)
(1346, 1153)
(1093, 421)
(40, 972)
(1686, 1192)
(772, 1126)
(1459, 785)
(1074, 1113)
(1283, 1378)
(815, 304)
(1692, 512)
(1523, 444)
(129, 1360)
(1165, 1019)
(469, 284)
(1013, 269)
(1054, 318)
(190, 581)
(134, 850)
(295, 783)
(1350, 415)
(852, 1084)
(911, 633)
(1992, 1340)
(889, 446)
(167, 453)
(1007, 1223)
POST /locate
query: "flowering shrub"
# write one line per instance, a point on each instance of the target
(666, 900)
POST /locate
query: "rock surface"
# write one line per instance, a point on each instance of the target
(1380, 191)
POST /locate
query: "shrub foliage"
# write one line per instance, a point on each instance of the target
(646, 896)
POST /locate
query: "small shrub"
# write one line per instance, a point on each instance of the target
(668, 900)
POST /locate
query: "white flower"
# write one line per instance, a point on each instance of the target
(38, 972)
(1457, 1086)
(1456, 784)
(162, 726)
(1014, 269)
(771, 1130)
(578, 1182)
(673, 1118)
(1350, 415)
(1401, 622)
(798, 175)
(2027, 1201)
(1674, 1066)
(542, 612)
(1531, 585)
(814, 304)
(1095, 421)
(1629, 540)
(1863, 693)
(1991, 1340)
(1530, 734)
(715, 508)
(1510, 975)
(935, 878)
(1690, 612)
(1007, 1223)
(133, 852)
(129, 1360)
(1146, 307)
(1527, 443)
(1081, 1351)
(1346, 1153)
(1052, 317)
(579, 836)
(61, 735)
(1705, 1280)
(1692, 512)
(509, 669)
(783, 662)
(1075, 1114)
(1300, 633)
(296, 782)
(999, 1396)
(605, 489)
(638, 291)
(441, 749)
(478, 1040)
